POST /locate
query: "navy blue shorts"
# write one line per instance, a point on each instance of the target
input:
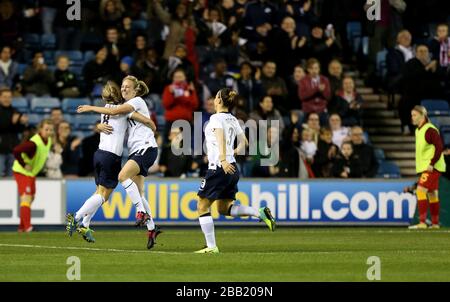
(219, 185)
(145, 159)
(107, 166)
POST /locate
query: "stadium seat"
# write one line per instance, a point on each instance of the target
(75, 56)
(21, 68)
(139, 25)
(379, 154)
(44, 104)
(69, 118)
(388, 169)
(21, 104)
(49, 56)
(446, 139)
(436, 107)
(381, 63)
(32, 41)
(366, 138)
(70, 105)
(84, 122)
(48, 41)
(34, 118)
(98, 102)
(440, 121)
(77, 70)
(88, 56)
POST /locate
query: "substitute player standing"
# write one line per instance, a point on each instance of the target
(220, 182)
(30, 159)
(429, 164)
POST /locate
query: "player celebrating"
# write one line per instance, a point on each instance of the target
(429, 164)
(143, 150)
(220, 182)
(30, 159)
(107, 161)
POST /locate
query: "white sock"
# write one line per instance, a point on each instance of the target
(91, 205)
(133, 192)
(87, 219)
(207, 225)
(240, 210)
(150, 223)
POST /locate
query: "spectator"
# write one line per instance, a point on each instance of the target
(89, 145)
(323, 44)
(440, 48)
(274, 86)
(308, 146)
(8, 68)
(140, 48)
(68, 33)
(56, 115)
(65, 80)
(258, 18)
(54, 161)
(291, 162)
(114, 47)
(96, 73)
(240, 110)
(365, 152)
(249, 85)
(178, 61)
(267, 112)
(150, 70)
(48, 15)
(220, 78)
(347, 164)
(9, 23)
(179, 100)
(268, 150)
(314, 90)
(419, 81)
(126, 64)
(71, 151)
(325, 155)
(174, 165)
(313, 123)
(335, 76)
(286, 48)
(293, 83)
(12, 124)
(181, 26)
(37, 79)
(348, 103)
(396, 59)
(111, 12)
(340, 134)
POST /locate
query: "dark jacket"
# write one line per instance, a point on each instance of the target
(252, 91)
(369, 163)
(63, 80)
(8, 131)
(395, 60)
(353, 165)
(322, 164)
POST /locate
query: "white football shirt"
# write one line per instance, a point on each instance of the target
(113, 142)
(231, 129)
(139, 135)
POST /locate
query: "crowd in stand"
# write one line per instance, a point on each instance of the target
(288, 60)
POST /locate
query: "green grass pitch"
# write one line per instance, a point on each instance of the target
(247, 254)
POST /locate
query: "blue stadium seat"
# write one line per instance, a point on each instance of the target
(85, 121)
(44, 104)
(388, 169)
(70, 105)
(381, 63)
(88, 56)
(98, 102)
(32, 41)
(75, 56)
(440, 121)
(366, 138)
(34, 118)
(138, 25)
(436, 107)
(21, 68)
(379, 154)
(77, 70)
(21, 104)
(48, 41)
(69, 118)
(49, 56)
(446, 138)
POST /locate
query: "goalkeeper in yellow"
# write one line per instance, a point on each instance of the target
(429, 165)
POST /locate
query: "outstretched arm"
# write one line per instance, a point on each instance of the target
(122, 109)
(144, 120)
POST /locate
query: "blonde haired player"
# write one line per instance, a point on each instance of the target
(429, 164)
(220, 182)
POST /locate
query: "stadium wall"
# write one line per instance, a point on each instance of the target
(173, 202)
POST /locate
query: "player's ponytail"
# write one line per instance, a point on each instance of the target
(139, 86)
(228, 97)
(111, 93)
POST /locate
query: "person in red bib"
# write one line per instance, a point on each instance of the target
(30, 159)
(430, 164)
